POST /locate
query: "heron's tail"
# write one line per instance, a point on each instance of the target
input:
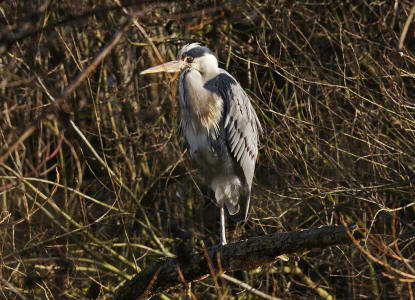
(234, 194)
(243, 208)
(233, 208)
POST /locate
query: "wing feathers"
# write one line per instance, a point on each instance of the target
(241, 128)
(241, 123)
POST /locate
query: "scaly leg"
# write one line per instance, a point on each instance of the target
(222, 226)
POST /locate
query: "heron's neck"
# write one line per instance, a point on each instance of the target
(198, 96)
(202, 106)
(208, 67)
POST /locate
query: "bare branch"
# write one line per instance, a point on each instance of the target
(243, 255)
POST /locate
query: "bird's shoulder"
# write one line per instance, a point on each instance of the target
(220, 83)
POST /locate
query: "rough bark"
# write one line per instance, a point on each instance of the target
(243, 255)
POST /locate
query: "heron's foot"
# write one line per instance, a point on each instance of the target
(213, 253)
(216, 247)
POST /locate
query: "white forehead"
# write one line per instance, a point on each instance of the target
(194, 50)
(187, 47)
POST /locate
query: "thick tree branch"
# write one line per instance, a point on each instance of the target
(243, 255)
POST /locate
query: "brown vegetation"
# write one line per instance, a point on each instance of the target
(95, 184)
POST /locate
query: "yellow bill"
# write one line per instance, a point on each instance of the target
(169, 67)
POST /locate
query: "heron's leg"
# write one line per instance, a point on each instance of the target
(222, 226)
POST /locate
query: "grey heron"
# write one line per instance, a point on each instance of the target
(219, 125)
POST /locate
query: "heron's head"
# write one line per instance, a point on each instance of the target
(192, 56)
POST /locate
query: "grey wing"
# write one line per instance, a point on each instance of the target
(241, 125)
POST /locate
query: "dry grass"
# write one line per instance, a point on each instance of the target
(84, 204)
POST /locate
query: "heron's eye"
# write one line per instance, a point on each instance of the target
(189, 59)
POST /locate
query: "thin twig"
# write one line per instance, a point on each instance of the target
(406, 27)
(248, 288)
(58, 104)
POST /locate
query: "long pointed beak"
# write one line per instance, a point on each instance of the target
(169, 67)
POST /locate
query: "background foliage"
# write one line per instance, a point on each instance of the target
(86, 204)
